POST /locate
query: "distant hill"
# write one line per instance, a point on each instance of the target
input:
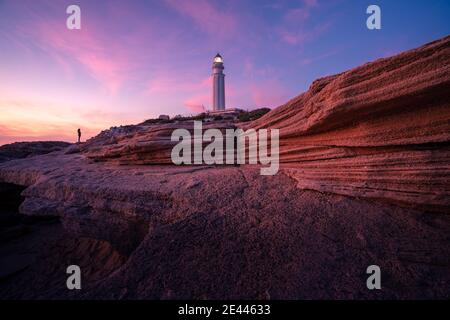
(19, 150)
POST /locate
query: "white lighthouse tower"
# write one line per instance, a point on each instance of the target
(218, 84)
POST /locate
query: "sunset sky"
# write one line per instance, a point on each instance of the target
(133, 60)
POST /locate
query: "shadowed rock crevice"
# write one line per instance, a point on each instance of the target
(37, 249)
(11, 195)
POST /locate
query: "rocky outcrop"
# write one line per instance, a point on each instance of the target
(379, 131)
(141, 144)
(20, 150)
(166, 232)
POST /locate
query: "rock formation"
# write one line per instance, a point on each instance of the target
(20, 150)
(166, 232)
(143, 144)
(368, 139)
(380, 131)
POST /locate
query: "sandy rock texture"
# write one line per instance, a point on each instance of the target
(208, 233)
(141, 144)
(381, 130)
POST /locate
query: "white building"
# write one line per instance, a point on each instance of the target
(218, 84)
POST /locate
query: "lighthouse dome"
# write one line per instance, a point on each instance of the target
(218, 58)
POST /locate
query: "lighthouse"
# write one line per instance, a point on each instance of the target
(218, 84)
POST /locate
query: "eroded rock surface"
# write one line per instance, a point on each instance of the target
(380, 131)
(220, 232)
(353, 148)
(137, 145)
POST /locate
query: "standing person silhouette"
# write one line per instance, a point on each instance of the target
(79, 135)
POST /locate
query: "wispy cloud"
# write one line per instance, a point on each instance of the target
(134, 60)
(195, 104)
(210, 18)
(269, 93)
(310, 60)
(294, 29)
(106, 63)
(169, 82)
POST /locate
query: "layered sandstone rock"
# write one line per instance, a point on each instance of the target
(166, 232)
(381, 130)
(141, 144)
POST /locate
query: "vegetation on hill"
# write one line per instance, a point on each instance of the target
(244, 116)
(252, 115)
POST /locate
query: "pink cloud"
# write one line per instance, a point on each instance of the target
(270, 93)
(300, 36)
(206, 16)
(297, 15)
(311, 3)
(168, 83)
(260, 71)
(293, 29)
(196, 104)
(300, 14)
(292, 38)
(92, 51)
(307, 61)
